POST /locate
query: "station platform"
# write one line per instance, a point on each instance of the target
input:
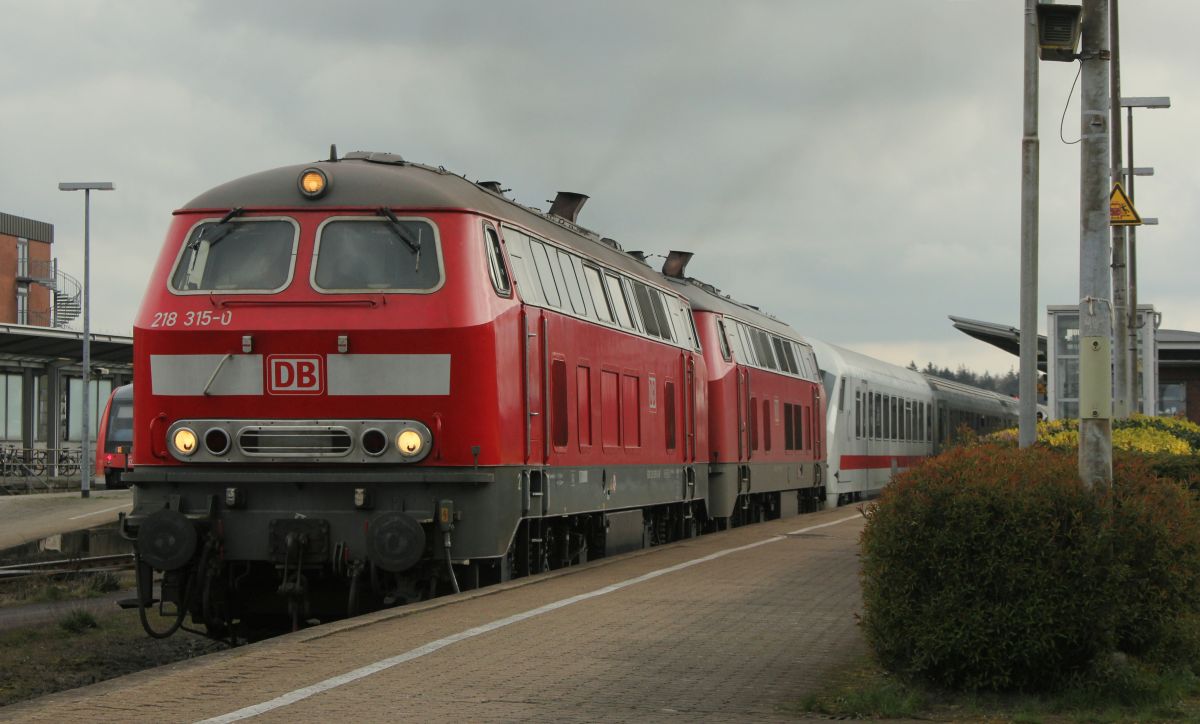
(28, 518)
(734, 626)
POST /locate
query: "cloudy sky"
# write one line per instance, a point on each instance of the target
(850, 165)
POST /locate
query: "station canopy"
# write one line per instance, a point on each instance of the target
(999, 335)
(21, 343)
(1175, 347)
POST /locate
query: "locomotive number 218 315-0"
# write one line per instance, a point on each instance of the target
(205, 318)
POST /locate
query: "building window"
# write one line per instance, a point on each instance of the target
(98, 392)
(22, 304)
(11, 396)
(1172, 399)
(22, 257)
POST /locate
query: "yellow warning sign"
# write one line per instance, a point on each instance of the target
(1120, 209)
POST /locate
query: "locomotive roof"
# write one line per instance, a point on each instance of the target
(708, 298)
(365, 179)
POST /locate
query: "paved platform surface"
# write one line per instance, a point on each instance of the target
(734, 626)
(26, 518)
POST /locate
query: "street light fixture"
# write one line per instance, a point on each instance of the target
(1059, 28)
(1129, 104)
(85, 451)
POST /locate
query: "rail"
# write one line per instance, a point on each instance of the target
(69, 566)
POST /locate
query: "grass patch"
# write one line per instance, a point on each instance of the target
(48, 589)
(1127, 692)
(43, 659)
(77, 621)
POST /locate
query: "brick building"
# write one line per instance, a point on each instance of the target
(26, 271)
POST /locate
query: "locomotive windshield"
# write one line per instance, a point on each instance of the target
(238, 256)
(376, 255)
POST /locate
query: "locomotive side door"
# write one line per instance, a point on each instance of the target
(689, 413)
(743, 412)
(535, 351)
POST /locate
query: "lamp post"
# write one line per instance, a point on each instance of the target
(1129, 104)
(85, 451)
(1030, 155)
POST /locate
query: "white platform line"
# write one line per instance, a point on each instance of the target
(98, 512)
(351, 676)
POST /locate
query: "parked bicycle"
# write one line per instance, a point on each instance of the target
(22, 462)
(68, 462)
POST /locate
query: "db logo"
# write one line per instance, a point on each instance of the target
(294, 375)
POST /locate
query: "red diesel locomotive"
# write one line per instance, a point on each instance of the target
(364, 381)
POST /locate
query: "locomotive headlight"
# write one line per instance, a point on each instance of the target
(313, 182)
(409, 443)
(184, 441)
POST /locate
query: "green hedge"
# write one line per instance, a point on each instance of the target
(993, 568)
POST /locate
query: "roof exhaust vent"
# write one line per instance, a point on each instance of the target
(676, 263)
(567, 204)
(639, 255)
(493, 186)
(613, 243)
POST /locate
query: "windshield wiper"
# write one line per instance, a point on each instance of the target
(195, 243)
(413, 244)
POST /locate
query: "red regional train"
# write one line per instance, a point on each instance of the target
(114, 439)
(362, 382)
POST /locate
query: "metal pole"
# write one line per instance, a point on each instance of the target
(1135, 404)
(85, 468)
(1123, 362)
(1095, 281)
(1029, 236)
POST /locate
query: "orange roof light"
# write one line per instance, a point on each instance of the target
(313, 183)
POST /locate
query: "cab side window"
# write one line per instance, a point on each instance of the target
(495, 259)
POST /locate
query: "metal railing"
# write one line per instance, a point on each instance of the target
(29, 468)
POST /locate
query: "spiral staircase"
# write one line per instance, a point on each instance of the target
(66, 293)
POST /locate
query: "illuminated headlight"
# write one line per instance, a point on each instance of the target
(313, 183)
(410, 443)
(184, 441)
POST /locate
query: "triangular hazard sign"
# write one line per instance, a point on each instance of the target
(1120, 209)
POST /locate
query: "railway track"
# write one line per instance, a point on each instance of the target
(67, 567)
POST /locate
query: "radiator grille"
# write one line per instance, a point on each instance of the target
(295, 441)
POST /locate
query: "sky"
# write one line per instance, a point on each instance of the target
(852, 167)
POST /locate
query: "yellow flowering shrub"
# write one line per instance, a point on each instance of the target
(1141, 433)
(1060, 439)
(1149, 440)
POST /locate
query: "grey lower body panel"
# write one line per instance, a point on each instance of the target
(729, 480)
(489, 503)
